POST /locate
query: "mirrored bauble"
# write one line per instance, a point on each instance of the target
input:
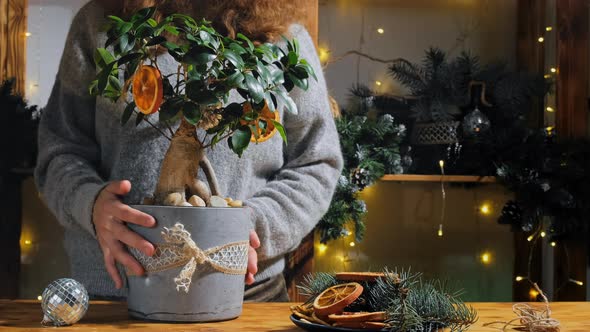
(475, 123)
(64, 302)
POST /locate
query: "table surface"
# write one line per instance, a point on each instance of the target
(112, 316)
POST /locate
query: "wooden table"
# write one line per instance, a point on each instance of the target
(20, 316)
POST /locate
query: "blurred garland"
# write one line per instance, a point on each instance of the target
(371, 148)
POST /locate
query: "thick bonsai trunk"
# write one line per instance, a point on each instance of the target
(178, 180)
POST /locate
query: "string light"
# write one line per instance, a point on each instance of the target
(378, 83)
(28, 242)
(577, 282)
(547, 76)
(441, 163)
(530, 238)
(533, 293)
(553, 70)
(352, 244)
(324, 54)
(519, 278)
(440, 230)
(486, 258)
(380, 31)
(28, 34)
(39, 298)
(322, 248)
(553, 244)
(543, 234)
(541, 39)
(485, 209)
(548, 28)
(550, 109)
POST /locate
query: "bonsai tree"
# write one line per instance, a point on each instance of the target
(210, 66)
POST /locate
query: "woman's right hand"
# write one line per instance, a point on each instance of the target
(109, 216)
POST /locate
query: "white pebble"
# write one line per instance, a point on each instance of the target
(217, 201)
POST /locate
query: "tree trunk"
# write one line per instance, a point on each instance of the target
(178, 176)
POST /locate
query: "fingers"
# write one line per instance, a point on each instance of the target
(133, 239)
(126, 213)
(109, 263)
(119, 188)
(249, 278)
(254, 240)
(122, 256)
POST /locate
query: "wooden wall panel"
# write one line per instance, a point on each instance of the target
(572, 80)
(13, 26)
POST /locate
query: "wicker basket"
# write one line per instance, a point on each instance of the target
(435, 133)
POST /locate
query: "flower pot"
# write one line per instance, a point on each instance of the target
(197, 273)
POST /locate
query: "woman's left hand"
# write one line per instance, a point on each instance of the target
(252, 258)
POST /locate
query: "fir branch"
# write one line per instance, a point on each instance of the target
(315, 283)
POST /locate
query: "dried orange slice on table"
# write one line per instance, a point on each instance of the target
(148, 89)
(334, 299)
(265, 116)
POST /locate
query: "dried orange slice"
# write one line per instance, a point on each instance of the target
(334, 299)
(376, 326)
(378, 316)
(148, 89)
(359, 276)
(266, 115)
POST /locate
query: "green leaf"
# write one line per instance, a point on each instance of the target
(128, 58)
(240, 140)
(140, 116)
(115, 83)
(115, 19)
(191, 113)
(102, 57)
(173, 30)
(248, 42)
(153, 23)
(170, 108)
(237, 48)
(280, 129)
(93, 88)
(277, 76)
(127, 113)
(125, 28)
(142, 16)
(254, 87)
(123, 43)
(156, 41)
(293, 58)
(235, 80)
(234, 58)
(304, 64)
(103, 76)
(199, 55)
(303, 84)
(284, 99)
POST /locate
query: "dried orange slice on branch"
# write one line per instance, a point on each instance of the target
(148, 89)
(266, 116)
(334, 299)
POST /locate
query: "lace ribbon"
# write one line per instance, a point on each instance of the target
(179, 250)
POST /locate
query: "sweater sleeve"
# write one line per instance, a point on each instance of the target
(292, 202)
(69, 156)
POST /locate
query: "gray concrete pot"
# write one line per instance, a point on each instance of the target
(213, 295)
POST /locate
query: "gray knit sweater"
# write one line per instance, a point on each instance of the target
(83, 146)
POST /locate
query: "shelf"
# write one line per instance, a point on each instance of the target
(438, 178)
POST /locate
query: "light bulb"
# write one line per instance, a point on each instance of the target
(533, 294)
(543, 234)
(380, 31)
(548, 28)
(441, 163)
(27, 242)
(378, 83)
(550, 109)
(553, 70)
(519, 278)
(547, 76)
(440, 230)
(530, 238)
(39, 298)
(577, 282)
(324, 54)
(541, 39)
(553, 244)
(486, 258)
(28, 34)
(352, 244)
(485, 209)
(322, 248)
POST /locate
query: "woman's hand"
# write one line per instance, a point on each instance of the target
(252, 258)
(109, 217)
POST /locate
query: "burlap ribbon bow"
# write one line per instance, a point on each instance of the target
(179, 250)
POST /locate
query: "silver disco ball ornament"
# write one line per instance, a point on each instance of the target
(64, 302)
(475, 123)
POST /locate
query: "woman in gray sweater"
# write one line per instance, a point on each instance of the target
(90, 167)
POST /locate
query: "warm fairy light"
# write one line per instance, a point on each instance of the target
(547, 76)
(378, 83)
(577, 282)
(28, 242)
(341, 258)
(543, 234)
(352, 244)
(553, 244)
(28, 34)
(553, 70)
(324, 54)
(530, 238)
(380, 31)
(348, 233)
(533, 294)
(548, 28)
(485, 209)
(322, 248)
(486, 258)
(39, 298)
(441, 163)
(541, 39)
(440, 230)
(519, 278)
(550, 109)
